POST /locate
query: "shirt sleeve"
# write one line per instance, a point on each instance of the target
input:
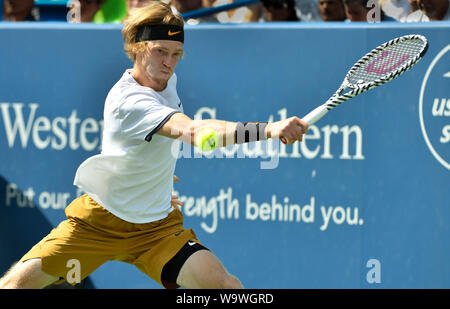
(142, 116)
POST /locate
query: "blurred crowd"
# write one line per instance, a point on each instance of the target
(263, 11)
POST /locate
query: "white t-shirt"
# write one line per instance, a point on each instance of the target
(308, 10)
(397, 9)
(132, 177)
(419, 16)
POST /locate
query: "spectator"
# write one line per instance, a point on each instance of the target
(184, 6)
(238, 15)
(414, 5)
(398, 9)
(308, 10)
(114, 11)
(133, 4)
(362, 10)
(130, 5)
(430, 10)
(137, 3)
(17, 10)
(255, 12)
(280, 10)
(86, 10)
(331, 10)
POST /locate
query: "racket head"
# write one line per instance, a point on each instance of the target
(386, 62)
(377, 67)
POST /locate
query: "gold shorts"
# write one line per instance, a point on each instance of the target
(93, 236)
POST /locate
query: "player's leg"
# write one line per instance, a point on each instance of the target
(175, 257)
(27, 275)
(203, 270)
(71, 251)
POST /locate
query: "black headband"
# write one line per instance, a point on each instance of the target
(160, 32)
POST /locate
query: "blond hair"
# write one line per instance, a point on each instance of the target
(155, 13)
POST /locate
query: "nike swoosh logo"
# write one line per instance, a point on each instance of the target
(170, 33)
(191, 243)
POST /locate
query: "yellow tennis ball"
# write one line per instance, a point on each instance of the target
(207, 139)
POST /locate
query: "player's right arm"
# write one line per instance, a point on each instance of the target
(180, 126)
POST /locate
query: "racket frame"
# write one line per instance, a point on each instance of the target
(338, 97)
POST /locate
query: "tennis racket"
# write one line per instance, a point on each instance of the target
(377, 67)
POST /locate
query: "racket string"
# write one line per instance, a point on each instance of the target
(399, 54)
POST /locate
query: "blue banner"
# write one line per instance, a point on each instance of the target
(362, 202)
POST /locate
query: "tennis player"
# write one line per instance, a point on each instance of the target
(128, 213)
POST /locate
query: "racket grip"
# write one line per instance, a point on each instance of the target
(315, 115)
(311, 118)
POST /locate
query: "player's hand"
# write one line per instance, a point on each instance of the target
(292, 129)
(176, 203)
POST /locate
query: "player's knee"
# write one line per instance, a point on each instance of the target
(26, 275)
(231, 282)
(8, 283)
(8, 280)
